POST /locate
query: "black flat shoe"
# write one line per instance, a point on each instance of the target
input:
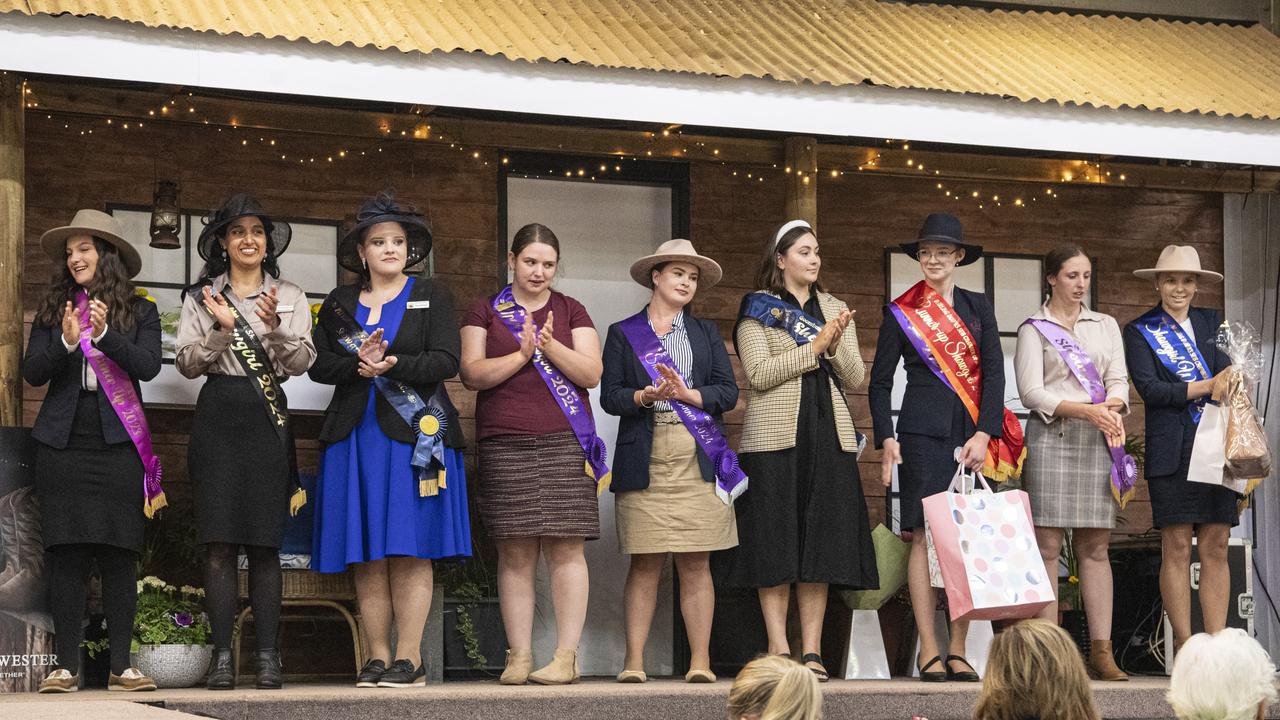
(269, 672)
(820, 671)
(222, 671)
(402, 675)
(961, 675)
(370, 674)
(933, 676)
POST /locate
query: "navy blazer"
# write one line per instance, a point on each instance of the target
(1164, 394)
(427, 351)
(929, 406)
(623, 375)
(136, 351)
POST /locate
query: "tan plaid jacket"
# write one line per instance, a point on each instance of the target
(774, 363)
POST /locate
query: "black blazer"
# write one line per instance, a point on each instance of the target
(426, 347)
(623, 375)
(1164, 395)
(137, 352)
(929, 406)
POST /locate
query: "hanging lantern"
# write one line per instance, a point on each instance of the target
(165, 217)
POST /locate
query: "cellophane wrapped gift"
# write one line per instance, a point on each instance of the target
(1247, 454)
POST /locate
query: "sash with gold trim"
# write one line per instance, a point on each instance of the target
(947, 347)
(425, 416)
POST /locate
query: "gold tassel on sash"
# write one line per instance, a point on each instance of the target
(296, 502)
(151, 507)
(430, 487)
(602, 484)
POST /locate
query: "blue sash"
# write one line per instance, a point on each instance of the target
(774, 312)
(1175, 351)
(427, 418)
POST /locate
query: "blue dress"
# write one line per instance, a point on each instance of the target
(367, 502)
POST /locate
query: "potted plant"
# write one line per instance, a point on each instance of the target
(474, 640)
(170, 634)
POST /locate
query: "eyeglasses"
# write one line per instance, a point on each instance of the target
(935, 254)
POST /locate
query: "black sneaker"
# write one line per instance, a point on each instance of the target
(402, 674)
(371, 673)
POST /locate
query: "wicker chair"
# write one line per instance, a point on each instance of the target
(306, 588)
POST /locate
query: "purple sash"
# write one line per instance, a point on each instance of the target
(512, 315)
(1124, 470)
(730, 480)
(118, 387)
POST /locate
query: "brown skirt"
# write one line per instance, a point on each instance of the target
(536, 486)
(679, 511)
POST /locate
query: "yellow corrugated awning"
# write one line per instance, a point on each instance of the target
(1107, 62)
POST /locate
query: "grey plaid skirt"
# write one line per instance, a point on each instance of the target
(1067, 473)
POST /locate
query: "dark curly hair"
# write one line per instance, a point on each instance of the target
(218, 263)
(110, 284)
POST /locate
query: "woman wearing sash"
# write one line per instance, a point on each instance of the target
(1173, 360)
(1072, 377)
(954, 399)
(92, 340)
(532, 353)
(804, 521)
(245, 330)
(388, 343)
(667, 375)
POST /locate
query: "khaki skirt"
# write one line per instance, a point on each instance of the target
(679, 511)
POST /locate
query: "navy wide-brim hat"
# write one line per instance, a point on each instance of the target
(379, 209)
(943, 227)
(235, 207)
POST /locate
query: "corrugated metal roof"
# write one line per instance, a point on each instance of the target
(1101, 61)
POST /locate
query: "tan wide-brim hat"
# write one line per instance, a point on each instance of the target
(99, 225)
(1180, 259)
(678, 250)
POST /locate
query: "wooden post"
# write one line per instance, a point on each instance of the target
(12, 239)
(802, 179)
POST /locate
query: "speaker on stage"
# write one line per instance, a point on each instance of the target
(1240, 604)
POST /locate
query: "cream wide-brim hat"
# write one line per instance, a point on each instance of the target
(1179, 259)
(96, 224)
(678, 250)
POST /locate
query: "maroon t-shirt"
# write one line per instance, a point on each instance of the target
(522, 404)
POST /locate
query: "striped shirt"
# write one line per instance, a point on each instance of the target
(88, 379)
(676, 343)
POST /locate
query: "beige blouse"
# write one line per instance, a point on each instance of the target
(202, 346)
(1044, 380)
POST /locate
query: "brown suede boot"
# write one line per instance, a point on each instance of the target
(562, 670)
(1102, 663)
(519, 664)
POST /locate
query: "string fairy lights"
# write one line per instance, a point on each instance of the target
(669, 142)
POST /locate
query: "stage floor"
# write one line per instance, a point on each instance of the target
(899, 699)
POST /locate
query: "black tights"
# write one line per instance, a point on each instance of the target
(70, 567)
(222, 591)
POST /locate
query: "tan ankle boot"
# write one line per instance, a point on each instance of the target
(1102, 663)
(519, 663)
(562, 670)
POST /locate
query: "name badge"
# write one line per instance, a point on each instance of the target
(417, 305)
(284, 308)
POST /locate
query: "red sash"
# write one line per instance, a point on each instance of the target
(948, 348)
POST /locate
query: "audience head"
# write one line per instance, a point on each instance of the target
(1224, 676)
(773, 687)
(1034, 670)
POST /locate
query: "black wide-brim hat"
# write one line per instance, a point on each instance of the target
(235, 207)
(943, 227)
(379, 209)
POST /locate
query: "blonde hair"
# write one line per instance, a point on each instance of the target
(775, 688)
(1224, 676)
(1035, 671)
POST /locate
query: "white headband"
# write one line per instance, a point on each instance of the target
(788, 227)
